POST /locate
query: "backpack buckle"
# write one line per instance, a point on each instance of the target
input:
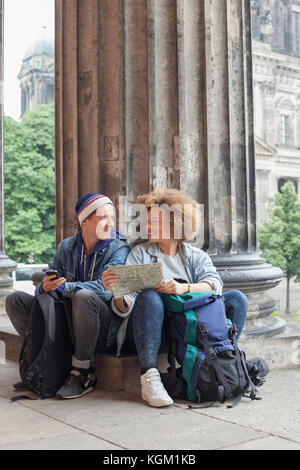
(203, 330)
(232, 330)
(213, 354)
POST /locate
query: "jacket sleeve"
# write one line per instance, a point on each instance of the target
(134, 257)
(56, 264)
(118, 258)
(204, 270)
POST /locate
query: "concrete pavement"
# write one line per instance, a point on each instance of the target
(116, 420)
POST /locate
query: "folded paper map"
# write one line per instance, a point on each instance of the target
(135, 278)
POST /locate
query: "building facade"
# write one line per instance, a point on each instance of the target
(276, 79)
(37, 76)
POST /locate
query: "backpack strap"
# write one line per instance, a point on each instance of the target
(224, 390)
(171, 349)
(242, 363)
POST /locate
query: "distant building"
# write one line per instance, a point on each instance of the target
(37, 75)
(276, 78)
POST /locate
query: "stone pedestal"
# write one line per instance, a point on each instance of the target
(254, 277)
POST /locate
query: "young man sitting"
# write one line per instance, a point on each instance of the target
(80, 261)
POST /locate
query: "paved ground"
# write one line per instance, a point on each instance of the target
(114, 420)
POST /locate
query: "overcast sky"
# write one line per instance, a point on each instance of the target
(24, 22)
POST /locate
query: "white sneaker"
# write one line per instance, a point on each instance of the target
(153, 391)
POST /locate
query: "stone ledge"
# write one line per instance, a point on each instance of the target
(123, 373)
(120, 373)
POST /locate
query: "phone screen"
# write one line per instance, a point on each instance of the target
(52, 273)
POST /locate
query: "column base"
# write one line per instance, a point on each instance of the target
(253, 276)
(7, 266)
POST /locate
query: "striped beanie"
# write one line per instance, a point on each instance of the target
(89, 203)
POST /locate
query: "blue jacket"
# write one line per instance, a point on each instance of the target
(65, 262)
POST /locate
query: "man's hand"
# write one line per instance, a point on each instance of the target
(109, 279)
(50, 283)
(171, 287)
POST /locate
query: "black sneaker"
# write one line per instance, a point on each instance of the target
(77, 385)
(20, 387)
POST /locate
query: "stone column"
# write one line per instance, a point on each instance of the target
(7, 266)
(166, 89)
(231, 211)
(290, 33)
(77, 108)
(279, 25)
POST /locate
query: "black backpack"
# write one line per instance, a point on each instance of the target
(47, 349)
(200, 338)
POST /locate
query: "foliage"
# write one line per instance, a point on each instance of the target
(29, 166)
(279, 236)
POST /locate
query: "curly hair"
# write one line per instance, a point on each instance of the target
(183, 210)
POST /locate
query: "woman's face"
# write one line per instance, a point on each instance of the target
(158, 225)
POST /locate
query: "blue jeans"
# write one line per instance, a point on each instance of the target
(145, 333)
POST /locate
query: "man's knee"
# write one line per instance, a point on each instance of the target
(83, 296)
(9, 301)
(15, 299)
(85, 300)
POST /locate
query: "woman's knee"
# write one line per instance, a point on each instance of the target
(151, 298)
(236, 298)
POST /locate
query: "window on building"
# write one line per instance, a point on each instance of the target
(281, 182)
(284, 129)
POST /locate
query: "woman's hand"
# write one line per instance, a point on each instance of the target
(109, 279)
(171, 287)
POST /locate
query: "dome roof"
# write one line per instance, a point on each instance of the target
(42, 47)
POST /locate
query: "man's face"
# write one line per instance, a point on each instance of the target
(101, 223)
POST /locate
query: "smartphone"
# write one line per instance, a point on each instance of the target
(52, 273)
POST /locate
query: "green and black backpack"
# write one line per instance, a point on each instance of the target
(203, 341)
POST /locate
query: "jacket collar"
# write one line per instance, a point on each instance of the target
(185, 250)
(71, 243)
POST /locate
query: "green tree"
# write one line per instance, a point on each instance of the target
(279, 236)
(29, 153)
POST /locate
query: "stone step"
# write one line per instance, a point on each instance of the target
(281, 351)
(120, 373)
(123, 373)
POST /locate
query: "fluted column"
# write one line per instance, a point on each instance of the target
(171, 103)
(7, 266)
(77, 108)
(231, 162)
